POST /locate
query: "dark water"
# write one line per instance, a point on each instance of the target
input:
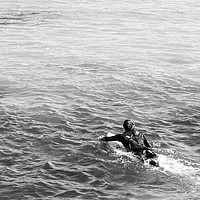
(71, 71)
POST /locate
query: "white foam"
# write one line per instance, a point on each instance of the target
(169, 164)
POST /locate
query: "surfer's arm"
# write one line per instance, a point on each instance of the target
(107, 139)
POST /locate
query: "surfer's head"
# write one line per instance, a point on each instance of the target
(128, 125)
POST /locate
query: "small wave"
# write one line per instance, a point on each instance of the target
(69, 194)
(177, 166)
(23, 17)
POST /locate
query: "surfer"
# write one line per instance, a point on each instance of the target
(133, 141)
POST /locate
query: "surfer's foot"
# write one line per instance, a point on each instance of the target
(154, 163)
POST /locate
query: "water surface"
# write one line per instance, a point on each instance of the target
(71, 71)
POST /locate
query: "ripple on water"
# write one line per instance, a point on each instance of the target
(74, 71)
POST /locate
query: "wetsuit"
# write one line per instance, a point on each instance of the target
(137, 144)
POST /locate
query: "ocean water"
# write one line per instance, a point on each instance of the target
(71, 71)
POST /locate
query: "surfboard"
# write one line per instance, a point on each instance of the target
(115, 145)
(118, 147)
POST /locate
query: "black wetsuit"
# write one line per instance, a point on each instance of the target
(132, 144)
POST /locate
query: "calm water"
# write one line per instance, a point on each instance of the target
(71, 71)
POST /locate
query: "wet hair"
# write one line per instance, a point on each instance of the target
(125, 124)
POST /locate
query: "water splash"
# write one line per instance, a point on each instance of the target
(177, 166)
(170, 163)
